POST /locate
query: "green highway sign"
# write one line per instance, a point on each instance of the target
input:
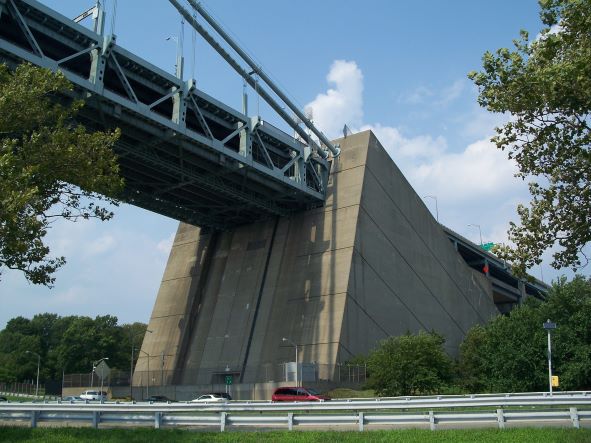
(487, 246)
(228, 380)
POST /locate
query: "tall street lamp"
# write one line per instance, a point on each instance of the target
(147, 390)
(549, 326)
(296, 358)
(434, 197)
(479, 231)
(38, 364)
(133, 336)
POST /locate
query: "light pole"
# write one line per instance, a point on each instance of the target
(147, 390)
(479, 231)
(549, 326)
(434, 197)
(38, 364)
(94, 363)
(133, 336)
(162, 368)
(296, 359)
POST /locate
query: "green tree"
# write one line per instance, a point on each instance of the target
(509, 353)
(409, 365)
(67, 344)
(506, 355)
(545, 85)
(50, 168)
(569, 305)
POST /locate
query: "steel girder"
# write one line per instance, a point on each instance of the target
(183, 153)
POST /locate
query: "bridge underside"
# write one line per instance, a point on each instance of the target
(182, 153)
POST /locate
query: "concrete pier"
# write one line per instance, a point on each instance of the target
(371, 263)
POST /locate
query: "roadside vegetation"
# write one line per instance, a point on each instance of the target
(71, 435)
(508, 354)
(67, 435)
(68, 344)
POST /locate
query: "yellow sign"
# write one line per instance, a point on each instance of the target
(555, 383)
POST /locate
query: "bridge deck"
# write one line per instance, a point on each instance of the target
(182, 153)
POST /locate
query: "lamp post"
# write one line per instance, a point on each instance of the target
(549, 326)
(434, 197)
(38, 364)
(132, 339)
(296, 359)
(147, 390)
(479, 231)
(162, 368)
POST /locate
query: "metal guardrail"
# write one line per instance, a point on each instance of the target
(356, 413)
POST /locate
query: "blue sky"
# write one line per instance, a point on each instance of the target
(396, 67)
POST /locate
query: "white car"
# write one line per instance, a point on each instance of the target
(94, 395)
(209, 398)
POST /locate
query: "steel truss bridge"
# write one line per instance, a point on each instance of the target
(182, 153)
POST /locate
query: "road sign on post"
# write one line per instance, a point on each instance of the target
(228, 380)
(487, 246)
(102, 370)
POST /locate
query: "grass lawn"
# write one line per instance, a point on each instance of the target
(71, 435)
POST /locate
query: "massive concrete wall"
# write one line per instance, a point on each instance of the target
(369, 264)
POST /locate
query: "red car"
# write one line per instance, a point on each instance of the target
(297, 394)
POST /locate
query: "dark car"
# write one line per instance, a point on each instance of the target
(289, 393)
(224, 395)
(158, 399)
(2, 398)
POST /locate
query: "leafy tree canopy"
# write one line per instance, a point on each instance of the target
(69, 343)
(545, 85)
(50, 168)
(409, 365)
(509, 353)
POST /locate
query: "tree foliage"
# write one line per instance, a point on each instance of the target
(409, 365)
(509, 353)
(50, 167)
(67, 344)
(545, 85)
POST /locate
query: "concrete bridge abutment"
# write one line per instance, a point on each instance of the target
(371, 263)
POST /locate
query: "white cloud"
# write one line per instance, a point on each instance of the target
(416, 97)
(165, 244)
(342, 104)
(452, 92)
(100, 245)
(480, 170)
(401, 148)
(423, 95)
(554, 29)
